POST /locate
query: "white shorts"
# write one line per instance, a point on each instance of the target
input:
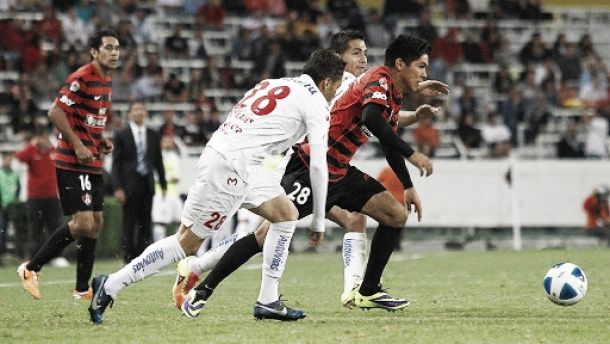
(219, 192)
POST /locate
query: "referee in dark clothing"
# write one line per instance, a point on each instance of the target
(137, 153)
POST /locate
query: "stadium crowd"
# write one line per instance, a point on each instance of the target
(43, 41)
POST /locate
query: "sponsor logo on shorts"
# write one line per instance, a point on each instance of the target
(87, 199)
(280, 248)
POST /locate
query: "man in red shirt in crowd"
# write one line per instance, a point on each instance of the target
(42, 206)
(598, 213)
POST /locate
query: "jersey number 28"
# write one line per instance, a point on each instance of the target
(265, 104)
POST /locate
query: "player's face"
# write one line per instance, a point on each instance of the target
(355, 57)
(108, 53)
(137, 113)
(412, 74)
(329, 88)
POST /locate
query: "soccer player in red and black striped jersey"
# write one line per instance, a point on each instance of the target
(80, 113)
(370, 106)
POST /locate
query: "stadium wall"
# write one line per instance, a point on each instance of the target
(549, 193)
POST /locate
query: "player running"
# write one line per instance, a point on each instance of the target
(269, 119)
(370, 106)
(351, 47)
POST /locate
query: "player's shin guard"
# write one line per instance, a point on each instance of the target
(155, 257)
(210, 258)
(85, 256)
(275, 254)
(382, 245)
(354, 260)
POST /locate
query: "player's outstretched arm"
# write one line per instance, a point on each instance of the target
(318, 174)
(406, 118)
(432, 88)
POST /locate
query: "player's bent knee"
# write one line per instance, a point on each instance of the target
(396, 217)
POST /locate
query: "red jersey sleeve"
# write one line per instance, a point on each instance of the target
(376, 90)
(71, 94)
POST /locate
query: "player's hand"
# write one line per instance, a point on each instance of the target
(119, 194)
(106, 146)
(422, 162)
(83, 154)
(315, 238)
(413, 203)
(432, 88)
(426, 111)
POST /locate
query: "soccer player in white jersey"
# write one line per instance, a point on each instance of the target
(351, 47)
(269, 119)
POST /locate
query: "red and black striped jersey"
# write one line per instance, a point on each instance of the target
(347, 132)
(86, 100)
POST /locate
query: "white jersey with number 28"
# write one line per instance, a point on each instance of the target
(270, 118)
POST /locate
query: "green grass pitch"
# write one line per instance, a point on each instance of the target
(460, 297)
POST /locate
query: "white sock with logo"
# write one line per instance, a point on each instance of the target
(354, 259)
(208, 260)
(155, 257)
(275, 254)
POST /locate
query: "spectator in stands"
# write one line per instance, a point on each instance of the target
(9, 193)
(530, 10)
(241, 46)
(426, 137)
(569, 63)
(126, 36)
(468, 101)
(49, 26)
(585, 46)
(503, 81)
(598, 214)
(170, 127)
(144, 30)
(560, 46)
(74, 29)
(447, 51)
(567, 94)
(594, 93)
(570, 147)
(425, 29)
(394, 10)
(272, 65)
(199, 46)
(193, 134)
(376, 33)
(85, 9)
(512, 111)
(537, 116)
(534, 50)
(472, 49)
(496, 136)
(176, 46)
(43, 208)
(596, 146)
(169, 7)
(458, 9)
(174, 90)
(550, 92)
(211, 15)
(347, 13)
(167, 208)
(210, 123)
(467, 132)
(196, 85)
(149, 86)
(32, 53)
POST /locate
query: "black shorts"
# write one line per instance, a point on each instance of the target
(350, 193)
(80, 191)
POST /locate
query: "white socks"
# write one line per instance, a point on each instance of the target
(275, 254)
(354, 259)
(155, 257)
(209, 259)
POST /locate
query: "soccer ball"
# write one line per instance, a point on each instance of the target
(565, 284)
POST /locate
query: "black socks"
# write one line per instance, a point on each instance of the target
(56, 243)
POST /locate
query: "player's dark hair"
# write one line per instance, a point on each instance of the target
(96, 40)
(339, 42)
(322, 64)
(406, 47)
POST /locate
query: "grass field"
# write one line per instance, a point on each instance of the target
(461, 297)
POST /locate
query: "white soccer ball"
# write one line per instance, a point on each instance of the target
(565, 284)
